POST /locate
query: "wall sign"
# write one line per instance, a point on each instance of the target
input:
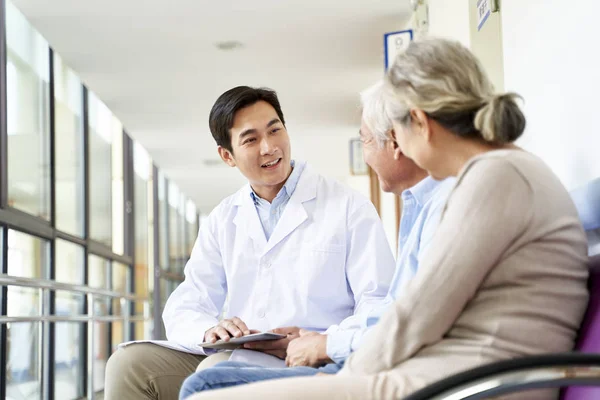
(484, 9)
(395, 43)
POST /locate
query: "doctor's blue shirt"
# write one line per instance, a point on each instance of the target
(269, 213)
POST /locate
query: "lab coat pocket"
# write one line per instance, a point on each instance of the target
(323, 269)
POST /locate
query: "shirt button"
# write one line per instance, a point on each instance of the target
(261, 314)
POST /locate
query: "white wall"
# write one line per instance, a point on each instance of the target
(551, 58)
(450, 19)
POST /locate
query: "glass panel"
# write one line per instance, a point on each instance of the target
(23, 380)
(98, 272)
(68, 382)
(100, 142)
(121, 282)
(143, 231)
(70, 266)
(118, 334)
(191, 217)
(101, 353)
(101, 342)
(183, 252)
(118, 216)
(163, 227)
(68, 149)
(175, 229)
(27, 258)
(28, 116)
(143, 330)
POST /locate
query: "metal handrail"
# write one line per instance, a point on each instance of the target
(10, 280)
(535, 378)
(45, 286)
(73, 318)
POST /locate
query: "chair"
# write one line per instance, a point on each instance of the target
(578, 371)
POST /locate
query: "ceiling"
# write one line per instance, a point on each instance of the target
(156, 66)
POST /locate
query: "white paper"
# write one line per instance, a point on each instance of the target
(256, 358)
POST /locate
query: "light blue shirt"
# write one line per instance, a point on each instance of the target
(269, 213)
(422, 206)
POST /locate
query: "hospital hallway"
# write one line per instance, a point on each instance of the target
(109, 171)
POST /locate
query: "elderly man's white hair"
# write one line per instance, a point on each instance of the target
(374, 113)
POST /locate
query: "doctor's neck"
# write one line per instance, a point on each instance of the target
(267, 191)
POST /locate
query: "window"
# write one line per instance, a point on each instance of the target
(28, 116)
(176, 229)
(99, 277)
(68, 339)
(163, 225)
(28, 258)
(191, 218)
(68, 149)
(144, 231)
(121, 282)
(100, 142)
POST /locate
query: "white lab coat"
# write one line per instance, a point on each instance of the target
(327, 259)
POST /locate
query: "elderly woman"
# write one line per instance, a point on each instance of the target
(505, 275)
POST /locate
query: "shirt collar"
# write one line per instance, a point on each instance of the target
(290, 184)
(422, 191)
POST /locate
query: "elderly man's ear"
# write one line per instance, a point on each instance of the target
(395, 147)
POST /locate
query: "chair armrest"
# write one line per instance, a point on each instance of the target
(504, 377)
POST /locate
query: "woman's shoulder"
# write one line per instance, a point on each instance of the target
(515, 164)
(496, 165)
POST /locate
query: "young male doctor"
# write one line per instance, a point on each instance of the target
(290, 250)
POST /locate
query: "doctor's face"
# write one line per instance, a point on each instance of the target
(261, 148)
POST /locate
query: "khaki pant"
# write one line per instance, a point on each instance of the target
(146, 371)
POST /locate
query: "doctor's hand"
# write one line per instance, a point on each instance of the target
(277, 348)
(226, 329)
(309, 350)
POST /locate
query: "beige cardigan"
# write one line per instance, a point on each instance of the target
(505, 277)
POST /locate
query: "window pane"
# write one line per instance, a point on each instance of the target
(118, 334)
(23, 380)
(68, 382)
(143, 330)
(69, 269)
(100, 142)
(191, 218)
(98, 272)
(118, 215)
(121, 281)
(68, 149)
(27, 258)
(163, 222)
(69, 337)
(143, 227)
(101, 341)
(175, 229)
(101, 353)
(27, 116)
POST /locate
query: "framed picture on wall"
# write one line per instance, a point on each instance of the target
(358, 166)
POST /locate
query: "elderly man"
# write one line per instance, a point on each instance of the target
(422, 202)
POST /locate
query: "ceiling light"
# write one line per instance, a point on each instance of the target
(229, 45)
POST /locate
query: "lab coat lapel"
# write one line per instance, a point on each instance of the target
(247, 219)
(294, 213)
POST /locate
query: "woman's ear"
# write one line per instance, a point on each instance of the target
(421, 124)
(226, 156)
(394, 144)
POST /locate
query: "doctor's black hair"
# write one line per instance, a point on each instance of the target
(223, 111)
